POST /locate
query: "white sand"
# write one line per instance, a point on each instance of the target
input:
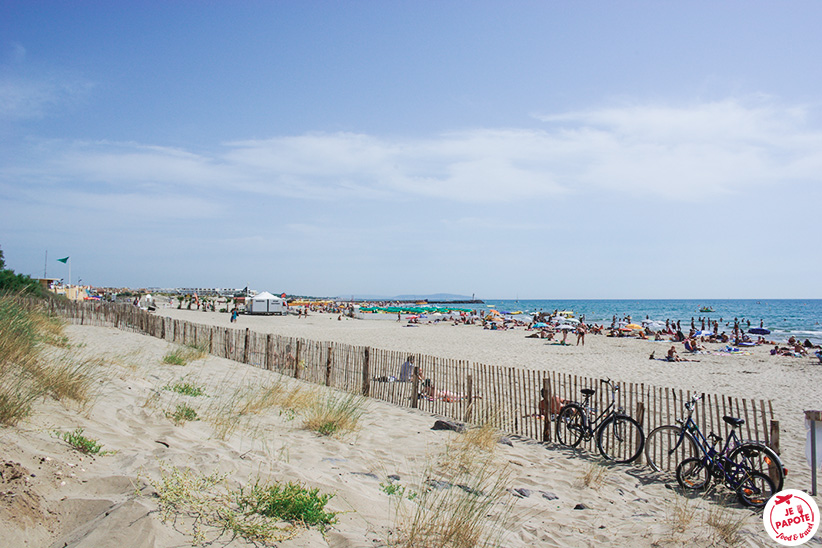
(84, 501)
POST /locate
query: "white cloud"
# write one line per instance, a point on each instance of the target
(678, 153)
(22, 98)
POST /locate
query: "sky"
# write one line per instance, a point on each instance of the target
(527, 149)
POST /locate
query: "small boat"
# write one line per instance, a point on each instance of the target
(707, 309)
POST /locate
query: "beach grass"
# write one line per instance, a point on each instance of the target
(461, 500)
(183, 355)
(335, 415)
(260, 512)
(77, 440)
(26, 330)
(594, 475)
(182, 413)
(185, 388)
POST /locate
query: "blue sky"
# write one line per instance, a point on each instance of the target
(531, 149)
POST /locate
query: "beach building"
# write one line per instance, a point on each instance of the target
(265, 303)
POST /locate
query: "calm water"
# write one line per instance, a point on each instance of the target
(802, 318)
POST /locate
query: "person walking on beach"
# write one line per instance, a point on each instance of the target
(234, 313)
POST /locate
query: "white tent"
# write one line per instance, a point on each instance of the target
(265, 303)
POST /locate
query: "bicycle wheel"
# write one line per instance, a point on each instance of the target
(761, 458)
(570, 425)
(756, 489)
(620, 439)
(662, 453)
(692, 474)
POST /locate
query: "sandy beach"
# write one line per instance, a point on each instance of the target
(51, 495)
(790, 383)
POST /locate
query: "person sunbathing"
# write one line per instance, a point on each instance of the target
(672, 355)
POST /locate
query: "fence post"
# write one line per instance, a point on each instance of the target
(640, 412)
(470, 408)
(366, 385)
(211, 340)
(546, 407)
(813, 417)
(415, 388)
(297, 361)
(772, 471)
(245, 346)
(268, 352)
(328, 367)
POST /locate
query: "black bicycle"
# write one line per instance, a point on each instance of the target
(695, 473)
(666, 446)
(619, 436)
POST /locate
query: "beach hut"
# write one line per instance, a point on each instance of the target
(265, 303)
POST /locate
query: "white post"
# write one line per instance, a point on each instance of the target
(813, 417)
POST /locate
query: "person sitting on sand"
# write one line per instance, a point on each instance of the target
(407, 370)
(550, 408)
(672, 355)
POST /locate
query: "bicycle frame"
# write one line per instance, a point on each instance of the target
(593, 423)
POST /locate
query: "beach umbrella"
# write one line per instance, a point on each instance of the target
(540, 324)
(563, 319)
(704, 333)
(633, 326)
(759, 331)
(566, 327)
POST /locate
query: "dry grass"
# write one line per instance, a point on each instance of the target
(594, 475)
(235, 411)
(26, 372)
(461, 500)
(183, 355)
(335, 415)
(725, 525)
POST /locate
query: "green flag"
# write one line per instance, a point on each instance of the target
(63, 260)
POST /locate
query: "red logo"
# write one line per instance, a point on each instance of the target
(791, 517)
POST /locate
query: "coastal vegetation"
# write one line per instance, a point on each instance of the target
(460, 498)
(185, 388)
(81, 443)
(26, 372)
(258, 512)
(183, 355)
(182, 413)
(19, 283)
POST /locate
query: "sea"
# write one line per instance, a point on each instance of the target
(800, 318)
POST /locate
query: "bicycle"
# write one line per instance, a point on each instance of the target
(619, 436)
(695, 473)
(672, 444)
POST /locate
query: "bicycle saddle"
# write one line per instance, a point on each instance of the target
(733, 421)
(588, 391)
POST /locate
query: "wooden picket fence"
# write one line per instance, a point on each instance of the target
(506, 397)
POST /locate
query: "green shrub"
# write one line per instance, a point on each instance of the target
(185, 388)
(182, 414)
(78, 441)
(289, 502)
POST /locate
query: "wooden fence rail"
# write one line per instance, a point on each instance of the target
(506, 397)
